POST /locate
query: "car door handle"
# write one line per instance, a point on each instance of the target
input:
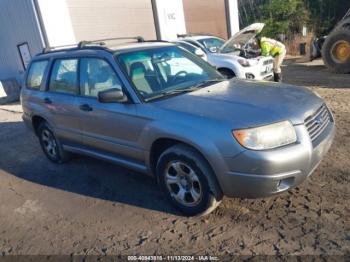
(47, 101)
(85, 107)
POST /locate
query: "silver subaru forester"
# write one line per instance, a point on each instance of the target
(160, 110)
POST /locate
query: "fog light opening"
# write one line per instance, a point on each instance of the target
(249, 76)
(285, 184)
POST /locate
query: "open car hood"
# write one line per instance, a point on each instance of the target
(241, 39)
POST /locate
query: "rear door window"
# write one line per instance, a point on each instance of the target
(36, 74)
(64, 76)
(97, 75)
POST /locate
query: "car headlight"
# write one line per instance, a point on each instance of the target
(243, 62)
(246, 62)
(266, 137)
(253, 62)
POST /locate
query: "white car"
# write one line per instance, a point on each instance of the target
(192, 48)
(233, 58)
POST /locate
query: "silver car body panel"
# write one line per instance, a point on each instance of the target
(204, 119)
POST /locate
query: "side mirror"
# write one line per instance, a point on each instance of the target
(213, 49)
(199, 52)
(113, 95)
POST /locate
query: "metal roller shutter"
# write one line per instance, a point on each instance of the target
(96, 19)
(206, 16)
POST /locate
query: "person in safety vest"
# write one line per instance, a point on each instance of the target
(274, 48)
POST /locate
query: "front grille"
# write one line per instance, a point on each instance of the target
(268, 62)
(317, 122)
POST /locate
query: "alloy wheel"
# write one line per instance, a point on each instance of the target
(49, 143)
(183, 183)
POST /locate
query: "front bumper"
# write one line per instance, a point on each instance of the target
(258, 72)
(265, 173)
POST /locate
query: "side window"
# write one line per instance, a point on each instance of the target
(97, 75)
(36, 74)
(64, 76)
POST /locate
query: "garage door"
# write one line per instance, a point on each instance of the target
(206, 16)
(96, 19)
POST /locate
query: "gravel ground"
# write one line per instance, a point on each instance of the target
(91, 207)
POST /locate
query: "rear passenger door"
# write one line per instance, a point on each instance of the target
(61, 99)
(108, 127)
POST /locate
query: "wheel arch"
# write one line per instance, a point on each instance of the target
(36, 121)
(161, 144)
(227, 69)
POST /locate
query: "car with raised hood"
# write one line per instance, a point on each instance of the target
(192, 48)
(155, 108)
(234, 58)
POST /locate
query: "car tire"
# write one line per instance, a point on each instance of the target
(335, 41)
(227, 73)
(188, 181)
(50, 145)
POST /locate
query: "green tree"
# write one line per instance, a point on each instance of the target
(288, 16)
(325, 14)
(280, 16)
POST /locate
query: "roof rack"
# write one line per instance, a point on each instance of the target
(155, 41)
(192, 34)
(57, 48)
(82, 44)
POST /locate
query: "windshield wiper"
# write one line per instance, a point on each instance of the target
(171, 92)
(185, 90)
(207, 82)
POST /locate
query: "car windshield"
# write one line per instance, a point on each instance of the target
(161, 72)
(212, 44)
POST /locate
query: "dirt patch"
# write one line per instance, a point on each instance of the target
(92, 207)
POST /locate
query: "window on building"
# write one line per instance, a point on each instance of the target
(97, 75)
(36, 74)
(64, 76)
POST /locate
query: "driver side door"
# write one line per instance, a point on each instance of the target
(106, 127)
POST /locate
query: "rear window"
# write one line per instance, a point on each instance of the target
(36, 74)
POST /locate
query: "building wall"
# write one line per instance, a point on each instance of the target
(96, 19)
(62, 22)
(233, 16)
(206, 16)
(18, 24)
(171, 18)
(57, 22)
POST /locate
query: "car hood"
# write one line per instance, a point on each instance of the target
(243, 104)
(241, 39)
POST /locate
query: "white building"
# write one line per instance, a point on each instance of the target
(27, 26)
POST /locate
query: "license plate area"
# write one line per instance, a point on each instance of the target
(267, 69)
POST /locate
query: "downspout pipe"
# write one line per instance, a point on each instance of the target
(40, 23)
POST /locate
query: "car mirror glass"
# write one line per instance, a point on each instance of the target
(213, 49)
(113, 95)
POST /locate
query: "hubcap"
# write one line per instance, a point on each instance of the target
(49, 143)
(183, 183)
(341, 51)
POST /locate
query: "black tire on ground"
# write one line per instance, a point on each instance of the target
(205, 182)
(340, 67)
(227, 73)
(56, 154)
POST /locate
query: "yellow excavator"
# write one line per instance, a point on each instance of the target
(336, 48)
